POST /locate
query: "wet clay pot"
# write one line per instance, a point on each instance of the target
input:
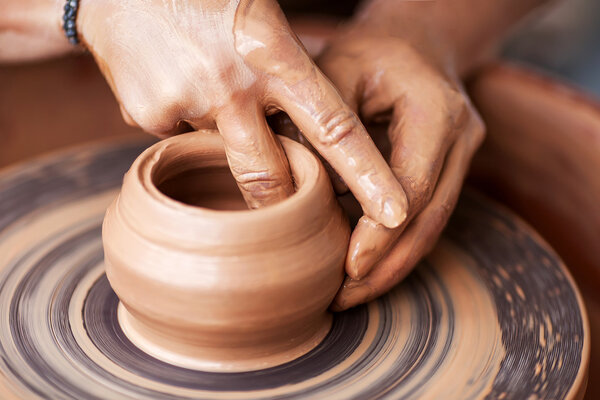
(206, 283)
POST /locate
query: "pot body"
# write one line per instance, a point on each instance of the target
(222, 289)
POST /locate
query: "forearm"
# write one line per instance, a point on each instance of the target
(31, 29)
(460, 33)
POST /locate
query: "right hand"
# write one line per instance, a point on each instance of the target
(433, 132)
(227, 64)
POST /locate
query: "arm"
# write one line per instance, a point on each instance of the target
(404, 60)
(31, 29)
(461, 34)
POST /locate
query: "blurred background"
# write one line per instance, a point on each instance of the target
(563, 39)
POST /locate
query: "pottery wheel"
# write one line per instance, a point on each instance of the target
(490, 313)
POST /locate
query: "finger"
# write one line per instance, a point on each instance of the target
(317, 109)
(422, 233)
(339, 186)
(338, 135)
(256, 158)
(368, 243)
(281, 124)
(419, 146)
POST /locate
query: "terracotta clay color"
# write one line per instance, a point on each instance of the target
(222, 289)
(491, 312)
(247, 63)
(545, 135)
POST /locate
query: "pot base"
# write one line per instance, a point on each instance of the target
(191, 356)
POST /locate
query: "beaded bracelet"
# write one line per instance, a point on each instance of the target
(69, 16)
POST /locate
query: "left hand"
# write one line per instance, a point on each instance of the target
(434, 132)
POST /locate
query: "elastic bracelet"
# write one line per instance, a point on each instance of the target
(69, 16)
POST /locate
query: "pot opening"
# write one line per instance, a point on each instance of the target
(210, 187)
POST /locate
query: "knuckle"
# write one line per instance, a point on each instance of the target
(478, 131)
(439, 90)
(169, 90)
(456, 98)
(143, 114)
(155, 120)
(458, 107)
(336, 126)
(159, 116)
(158, 110)
(258, 183)
(127, 118)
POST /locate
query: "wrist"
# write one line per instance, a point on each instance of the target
(90, 18)
(459, 34)
(439, 49)
(444, 32)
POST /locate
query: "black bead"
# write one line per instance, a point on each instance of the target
(70, 14)
(69, 25)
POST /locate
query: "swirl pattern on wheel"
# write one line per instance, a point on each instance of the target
(491, 312)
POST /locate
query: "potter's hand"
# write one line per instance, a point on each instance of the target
(433, 133)
(228, 63)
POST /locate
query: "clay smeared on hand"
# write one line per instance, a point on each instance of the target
(226, 65)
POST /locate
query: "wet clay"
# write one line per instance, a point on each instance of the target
(253, 65)
(491, 313)
(207, 284)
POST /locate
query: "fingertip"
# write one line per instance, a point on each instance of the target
(352, 296)
(368, 243)
(394, 210)
(382, 197)
(363, 270)
(336, 306)
(339, 303)
(353, 249)
(358, 261)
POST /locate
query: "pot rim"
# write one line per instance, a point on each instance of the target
(306, 170)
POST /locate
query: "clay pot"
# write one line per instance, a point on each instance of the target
(206, 283)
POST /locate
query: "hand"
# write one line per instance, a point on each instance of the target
(433, 131)
(228, 64)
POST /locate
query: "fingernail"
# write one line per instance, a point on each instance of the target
(393, 213)
(363, 268)
(353, 296)
(351, 284)
(353, 270)
(352, 261)
(359, 262)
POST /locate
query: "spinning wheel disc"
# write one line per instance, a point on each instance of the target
(490, 313)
